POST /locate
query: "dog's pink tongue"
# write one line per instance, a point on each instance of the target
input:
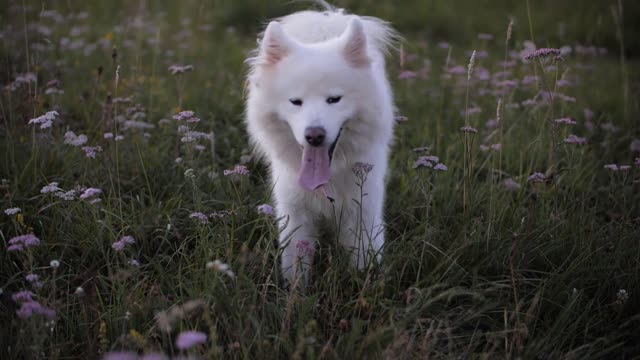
(315, 170)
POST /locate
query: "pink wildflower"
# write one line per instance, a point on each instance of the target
(542, 53)
(469, 129)
(70, 138)
(189, 339)
(12, 211)
(612, 167)
(265, 209)
(90, 192)
(511, 184)
(183, 115)
(240, 170)
(440, 167)
(92, 151)
(575, 140)
(199, 216)
(566, 121)
(536, 177)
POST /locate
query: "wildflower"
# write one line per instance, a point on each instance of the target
(440, 167)
(183, 115)
(511, 184)
(362, 169)
(566, 121)
(51, 188)
(30, 308)
(178, 160)
(180, 69)
(637, 163)
(624, 167)
(90, 192)
(20, 242)
(108, 135)
(622, 296)
(443, 45)
(221, 267)
(237, 170)
(119, 137)
(92, 151)
(536, 177)
(609, 127)
(70, 138)
(200, 216)
(189, 173)
(635, 145)
(612, 167)
(305, 248)
(421, 149)
(134, 263)
(265, 209)
(193, 120)
(496, 147)
(468, 129)
(68, 195)
(457, 70)
(24, 295)
(32, 277)
(54, 264)
(123, 242)
(542, 53)
(133, 124)
(575, 140)
(407, 74)
(566, 98)
(45, 121)
(422, 162)
(188, 339)
(79, 291)
(12, 211)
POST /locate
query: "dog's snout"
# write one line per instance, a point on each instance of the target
(315, 135)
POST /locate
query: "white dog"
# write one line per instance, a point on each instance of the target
(319, 104)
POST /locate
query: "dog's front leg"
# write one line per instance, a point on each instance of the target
(297, 237)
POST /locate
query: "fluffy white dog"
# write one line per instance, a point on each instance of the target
(319, 105)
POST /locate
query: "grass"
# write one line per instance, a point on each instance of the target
(545, 270)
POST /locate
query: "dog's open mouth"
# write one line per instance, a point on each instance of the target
(315, 170)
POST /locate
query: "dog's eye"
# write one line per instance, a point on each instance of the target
(333, 99)
(296, 102)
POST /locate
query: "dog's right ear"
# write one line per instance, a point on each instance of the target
(275, 45)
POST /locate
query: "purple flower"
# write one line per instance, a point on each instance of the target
(575, 140)
(12, 211)
(422, 162)
(542, 53)
(624, 167)
(45, 121)
(237, 170)
(90, 192)
(536, 177)
(18, 243)
(440, 167)
(24, 295)
(32, 307)
(305, 248)
(265, 209)
(118, 246)
(51, 188)
(176, 69)
(183, 115)
(511, 184)
(134, 263)
(108, 135)
(123, 242)
(91, 151)
(32, 277)
(443, 45)
(612, 167)
(566, 121)
(200, 216)
(469, 129)
(128, 239)
(193, 120)
(407, 74)
(189, 339)
(70, 138)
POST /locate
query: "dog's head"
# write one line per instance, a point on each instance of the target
(315, 88)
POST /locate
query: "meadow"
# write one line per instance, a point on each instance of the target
(136, 223)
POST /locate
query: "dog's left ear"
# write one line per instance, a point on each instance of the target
(355, 48)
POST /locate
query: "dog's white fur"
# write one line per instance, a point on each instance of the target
(311, 56)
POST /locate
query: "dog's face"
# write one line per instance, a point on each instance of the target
(315, 88)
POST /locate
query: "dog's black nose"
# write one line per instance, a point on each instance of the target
(315, 135)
